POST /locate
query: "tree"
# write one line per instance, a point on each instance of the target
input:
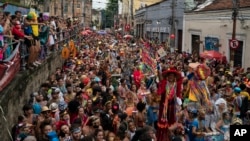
(110, 12)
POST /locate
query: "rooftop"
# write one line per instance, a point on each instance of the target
(211, 5)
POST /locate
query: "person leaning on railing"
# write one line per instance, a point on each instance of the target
(18, 33)
(28, 22)
(6, 35)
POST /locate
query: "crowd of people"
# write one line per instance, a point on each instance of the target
(122, 89)
(39, 35)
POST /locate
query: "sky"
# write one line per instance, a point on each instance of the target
(99, 4)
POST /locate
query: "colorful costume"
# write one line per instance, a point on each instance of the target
(198, 93)
(169, 91)
(138, 76)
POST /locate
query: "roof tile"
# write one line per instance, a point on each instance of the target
(224, 4)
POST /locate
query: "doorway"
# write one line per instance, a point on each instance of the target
(179, 40)
(238, 55)
(195, 45)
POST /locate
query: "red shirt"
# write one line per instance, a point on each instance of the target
(17, 32)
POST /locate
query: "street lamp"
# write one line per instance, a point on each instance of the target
(159, 35)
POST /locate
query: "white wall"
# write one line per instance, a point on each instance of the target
(220, 25)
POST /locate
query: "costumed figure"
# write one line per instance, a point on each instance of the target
(170, 89)
(197, 91)
(138, 76)
(33, 23)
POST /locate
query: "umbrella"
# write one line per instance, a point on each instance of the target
(102, 32)
(88, 31)
(84, 33)
(212, 54)
(128, 36)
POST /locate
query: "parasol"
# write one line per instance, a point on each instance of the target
(102, 32)
(212, 54)
(84, 33)
(128, 36)
(88, 31)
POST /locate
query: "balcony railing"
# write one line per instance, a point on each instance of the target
(15, 54)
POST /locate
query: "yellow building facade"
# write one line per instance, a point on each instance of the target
(128, 10)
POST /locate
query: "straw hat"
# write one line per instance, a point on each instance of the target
(236, 121)
(45, 108)
(193, 65)
(53, 107)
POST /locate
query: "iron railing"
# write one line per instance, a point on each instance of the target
(63, 38)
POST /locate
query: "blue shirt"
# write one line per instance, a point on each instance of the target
(37, 108)
(195, 123)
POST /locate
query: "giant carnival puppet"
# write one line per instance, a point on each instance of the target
(169, 88)
(197, 90)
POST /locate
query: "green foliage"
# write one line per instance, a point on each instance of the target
(110, 11)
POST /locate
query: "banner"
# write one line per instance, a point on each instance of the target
(149, 61)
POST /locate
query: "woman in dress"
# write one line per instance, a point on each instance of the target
(222, 126)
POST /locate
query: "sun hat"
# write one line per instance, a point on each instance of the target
(45, 108)
(236, 121)
(220, 101)
(53, 107)
(30, 138)
(228, 83)
(35, 93)
(193, 65)
(172, 70)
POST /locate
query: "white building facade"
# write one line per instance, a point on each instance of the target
(212, 30)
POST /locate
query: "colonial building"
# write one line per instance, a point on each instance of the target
(87, 12)
(128, 10)
(209, 26)
(160, 20)
(80, 9)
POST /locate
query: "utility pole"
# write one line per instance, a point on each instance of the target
(73, 9)
(83, 13)
(62, 8)
(173, 27)
(55, 7)
(234, 17)
(132, 15)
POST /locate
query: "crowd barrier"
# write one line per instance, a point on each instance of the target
(17, 53)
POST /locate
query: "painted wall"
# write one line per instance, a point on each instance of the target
(12, 8)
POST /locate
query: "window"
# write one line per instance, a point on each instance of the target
(66, 7)
(78, 6)
(195, 44)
